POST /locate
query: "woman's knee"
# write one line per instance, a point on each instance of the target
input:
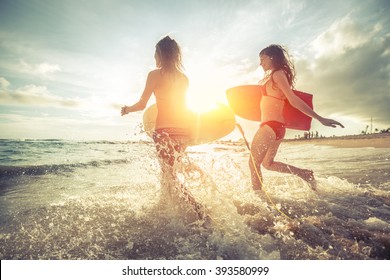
(267, 164)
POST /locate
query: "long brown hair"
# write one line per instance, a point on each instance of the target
(281, 60)
(170, 55)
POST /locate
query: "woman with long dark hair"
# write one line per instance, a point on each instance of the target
(278, 84)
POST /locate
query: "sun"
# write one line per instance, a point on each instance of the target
(200, 103)
(203, 96)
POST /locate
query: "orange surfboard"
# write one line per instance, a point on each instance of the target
(245, 102)
(204, 127)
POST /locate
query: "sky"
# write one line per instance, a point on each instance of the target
(66, 67)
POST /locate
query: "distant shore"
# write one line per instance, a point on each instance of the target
(376, 140)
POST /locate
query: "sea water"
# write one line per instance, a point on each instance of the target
(102, 200)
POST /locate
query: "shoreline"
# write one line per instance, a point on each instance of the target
(377, 140)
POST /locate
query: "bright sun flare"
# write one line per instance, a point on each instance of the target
(200, 104)
(202, 99)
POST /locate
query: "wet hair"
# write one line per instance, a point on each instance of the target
(281, 60)
(170, 54)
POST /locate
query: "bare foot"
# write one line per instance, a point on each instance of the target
(313, 184)
(311, 180)
(308, 176)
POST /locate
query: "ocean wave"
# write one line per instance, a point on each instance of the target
(7, 172)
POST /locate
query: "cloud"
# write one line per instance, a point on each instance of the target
(41, 69)
(34, 95)
(348, 70)
(343, 35)
(290, 12)
(4, 83)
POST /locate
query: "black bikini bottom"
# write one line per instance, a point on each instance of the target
(278, 128)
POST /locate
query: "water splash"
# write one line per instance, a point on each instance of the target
(115, 211)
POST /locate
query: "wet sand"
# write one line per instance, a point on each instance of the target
(377, 140)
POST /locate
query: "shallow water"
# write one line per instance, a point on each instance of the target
(101, 200)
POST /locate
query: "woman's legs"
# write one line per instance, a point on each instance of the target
(170, 150)
(270, 164)
(264, 149)
(259, 147)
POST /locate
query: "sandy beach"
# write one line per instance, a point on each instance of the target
(377, 140)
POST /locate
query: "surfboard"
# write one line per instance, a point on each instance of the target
(204, 127)
(245, 102)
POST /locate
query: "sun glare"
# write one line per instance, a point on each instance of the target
(204, 93)
(200, 103)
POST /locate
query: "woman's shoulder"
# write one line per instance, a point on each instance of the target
(154, 72)
(278, 74)
(158, 76)
(154, 75)
(279, 77)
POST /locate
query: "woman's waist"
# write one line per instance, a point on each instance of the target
(164, 123)
(272, 112)
(273, 123)
(274, 115)
(272, 119)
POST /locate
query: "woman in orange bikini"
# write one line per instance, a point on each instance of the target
(277, 89)
(169, 85)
